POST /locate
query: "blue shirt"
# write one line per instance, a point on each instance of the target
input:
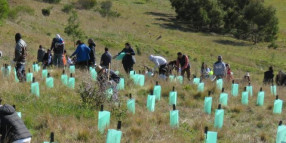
(82, 53)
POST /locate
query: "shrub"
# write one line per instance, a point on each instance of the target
(14, 12)
(4, 9)
(46, 12)
(105, 10)
(67, 8)
(273, 45)
(52, 1)
(87, 4)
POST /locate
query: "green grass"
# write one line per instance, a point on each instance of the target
(141, 23)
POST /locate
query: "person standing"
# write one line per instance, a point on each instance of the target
(82, 53)
(41, 53)
(183, 63)
(128, 60)
(268, 76)
(91, 45)
(12, 128)
(58, 48)
(105, 59)
(20, 57)
(219, 68)
(160, 63)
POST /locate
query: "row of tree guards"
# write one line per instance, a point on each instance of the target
(114, 136)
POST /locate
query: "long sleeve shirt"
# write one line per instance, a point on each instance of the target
(82, 53)
(158, 61)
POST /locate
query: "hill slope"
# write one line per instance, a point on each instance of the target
(61, 110)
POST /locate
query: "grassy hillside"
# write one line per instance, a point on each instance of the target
(141, 23)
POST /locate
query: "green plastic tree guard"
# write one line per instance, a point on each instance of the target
(281, 134)
(157, 92)
(113, 136)
(35, 89)
(64, 79)
(208, 105)
(29, 77)
(151, 103)
(50, 82)
(103, 120)
(219, 84)
(19, 114)
(132, 73)
(120, 56)
(180, 79)
(201, 87)
(71, 82)
(16, 77)
(120, 86)
(141, 79)
(136, 79)
(36, 68)
(171, 78)
(219, 115)
(260, 98)
(234, 89)
(278, 104)
(273, 90)
(223, 99)
(44, 73)
(131, 105)
(249, 90)
(72, 69)
(173, 98)
(116, 72)
(109, 93)
(174, 118)
(211, 137)
(93, 74)
(196, 81)
(90, 68)
(244, 98)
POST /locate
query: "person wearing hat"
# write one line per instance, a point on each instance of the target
(160, 63)
(12, 128)
(20, 57)
(247, 77)
(107, 79)
(82, 54)
(183, 62)
(219, 68)
(58, 48)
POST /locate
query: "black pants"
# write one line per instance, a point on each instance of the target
(128, 68)
(20, 69)
(162, 69)
(82, 65)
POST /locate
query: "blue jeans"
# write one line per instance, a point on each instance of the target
(20, 69)
(58, 60)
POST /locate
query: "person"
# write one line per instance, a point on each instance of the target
(281, 78)
(47, 60)
(229, 76)
(219, 68)
(160, 63)
(58, 49)
(205, 70)
(105, 59)
(20, 57)
(128, 60)
(246, 78)
(1, 54)
(183, 63)
(91, 45)
(65, 58)
(268, 76)
(12, 128)
(82, 54)
(108, 79)
(41, 53)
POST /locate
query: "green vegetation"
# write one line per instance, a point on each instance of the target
(73, 28)
(52, 1)
(247, 20)
(14, 12)
(106, 11)
(68, 8)
(4, 9)
(47, 11)
(87, 4)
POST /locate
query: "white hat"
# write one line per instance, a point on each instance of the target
(58, 36)
(151, 57)
(247, 74)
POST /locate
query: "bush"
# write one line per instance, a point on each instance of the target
(67, 8)
(46, 12)
(4, 9)
(105, 10)
(52, 1)
(13, 13)
(87, 4)
(273, 45)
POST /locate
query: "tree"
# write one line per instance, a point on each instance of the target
(4, 9)
(73, 28)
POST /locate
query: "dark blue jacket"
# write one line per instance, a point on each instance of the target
(128, 59)
(105, 59)
(82, 53)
